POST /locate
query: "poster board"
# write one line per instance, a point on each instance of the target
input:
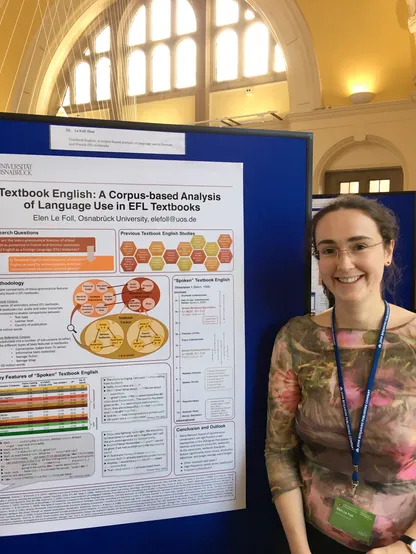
(246, 253)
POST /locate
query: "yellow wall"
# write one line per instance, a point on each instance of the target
(362, 41)
(346, 138)
(263, 98)
(363, 154)
(174, 110)
(355, 42)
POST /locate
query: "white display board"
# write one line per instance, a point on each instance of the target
(319, 301)
(122, 348)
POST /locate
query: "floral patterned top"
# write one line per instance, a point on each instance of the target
(307, 444)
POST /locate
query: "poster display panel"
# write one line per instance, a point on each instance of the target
(153, 324)
(122, 354)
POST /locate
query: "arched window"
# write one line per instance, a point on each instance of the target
(103, 79)
(279, 59)
(82, 83)
(136, 71)
(256, 50)
(226, 12)
(103, 41)
(186, 63)
(152, 50)
(226, 56)
(161, 68)
(185, 18)
(249, 15)
(160, 24)
(137, 31)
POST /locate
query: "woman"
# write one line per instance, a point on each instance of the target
(357, 495)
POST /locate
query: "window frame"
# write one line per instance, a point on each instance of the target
(364, 176)
(204, 37)
(76, 66)
(77, 56)
(104, 56)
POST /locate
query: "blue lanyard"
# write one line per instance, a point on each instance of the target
(355, 446)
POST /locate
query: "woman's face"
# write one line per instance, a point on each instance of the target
(353, 275)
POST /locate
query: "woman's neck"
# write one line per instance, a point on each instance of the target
(364, 315)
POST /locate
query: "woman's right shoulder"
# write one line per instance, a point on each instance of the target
(296, 326)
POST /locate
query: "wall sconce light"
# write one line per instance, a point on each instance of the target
(361, 97)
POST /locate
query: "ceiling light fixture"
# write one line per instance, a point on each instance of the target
(361, 97)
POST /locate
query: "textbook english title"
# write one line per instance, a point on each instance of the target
(63, 200)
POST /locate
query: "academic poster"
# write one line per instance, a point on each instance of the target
(122, 357)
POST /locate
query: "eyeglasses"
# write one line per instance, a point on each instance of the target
(355, 251)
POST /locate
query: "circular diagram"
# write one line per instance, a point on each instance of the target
(146, 335)
(104, 337)
(124, 336)
(140, 295)
(132, 333)
(94, 298)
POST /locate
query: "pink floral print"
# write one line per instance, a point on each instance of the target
(306, 442)
(285, 390)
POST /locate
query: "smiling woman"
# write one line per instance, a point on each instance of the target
(350, 213)
(334, 375)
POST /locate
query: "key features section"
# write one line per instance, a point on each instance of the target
(35, 407)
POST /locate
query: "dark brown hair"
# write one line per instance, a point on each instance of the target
(383, 217)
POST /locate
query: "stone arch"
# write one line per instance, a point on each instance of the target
(46, 55)
(290, 30)
(44, 58)
(335, 150)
